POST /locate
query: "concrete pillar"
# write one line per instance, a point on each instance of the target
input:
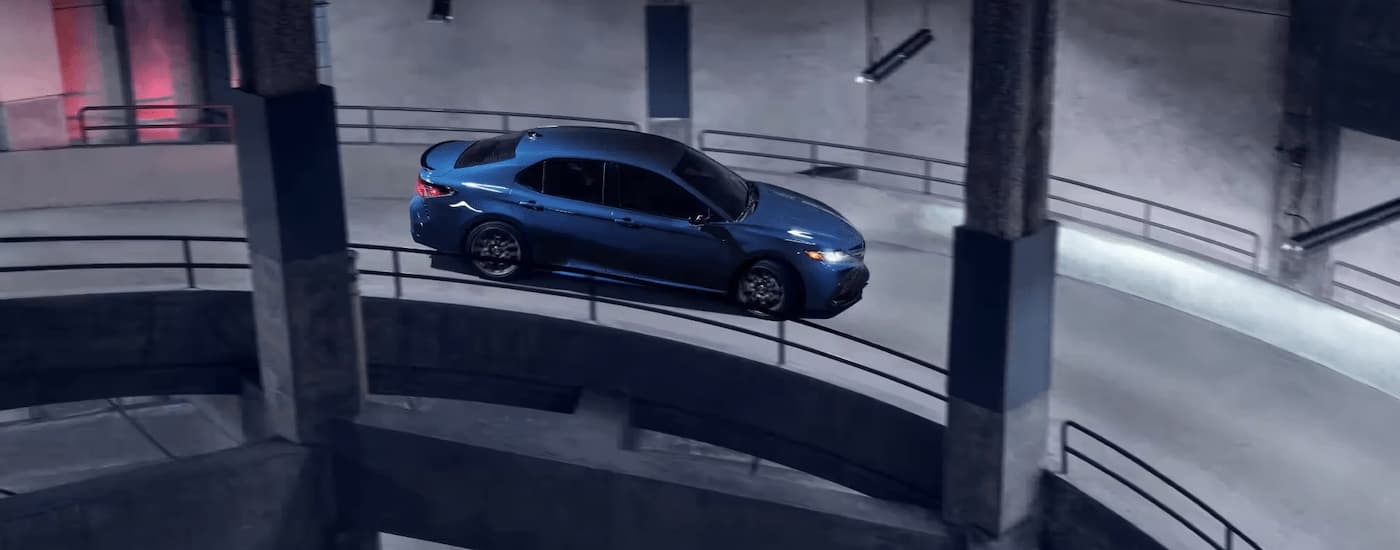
(309, 330)
(215, 73)
(31, 83)
(668, 69)
(1003, 283)
(1309, 139)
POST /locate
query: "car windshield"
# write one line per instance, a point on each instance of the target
(721, 185)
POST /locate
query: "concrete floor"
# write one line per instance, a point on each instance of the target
(1294, 453)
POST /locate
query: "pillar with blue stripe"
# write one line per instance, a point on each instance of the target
(1003, 284)
(668, 69)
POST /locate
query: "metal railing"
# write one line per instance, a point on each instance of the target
(1355, 271)
(1141, 213)
(374, 124)
(189, 266)
(221, 119)
(1232, 534)
(1145, 215)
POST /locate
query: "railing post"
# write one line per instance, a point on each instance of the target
(782, 342)
(1229, 538)
(1146, 220)
(592, 298)
(189, 262)
(398, 281)
(82, 124)
(1064, 448)
(369, 121)
(812, 154)
(505, 123)
(928, 174)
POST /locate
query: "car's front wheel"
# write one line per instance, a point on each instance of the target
(768, 288)
(497, 251)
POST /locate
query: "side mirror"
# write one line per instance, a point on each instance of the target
(700, 219)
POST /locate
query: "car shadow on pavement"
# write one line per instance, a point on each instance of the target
(642, 293)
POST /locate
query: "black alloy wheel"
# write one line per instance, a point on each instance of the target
(767, 288)
(496, 241)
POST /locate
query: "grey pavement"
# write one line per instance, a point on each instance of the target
(1295, 453)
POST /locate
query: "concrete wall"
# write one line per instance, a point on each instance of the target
(400, 488)
(545, 56)
(28, 51)
(249, 498)
(508, 489)
(60, 349)
(1170, 102)
(31, 110)
(147, 173)
(89, 65)
(780, 67)
(1369, 174)
(157, 347)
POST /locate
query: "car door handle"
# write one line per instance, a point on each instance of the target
(626, 222)
(531, 205)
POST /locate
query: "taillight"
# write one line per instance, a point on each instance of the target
(430, 190)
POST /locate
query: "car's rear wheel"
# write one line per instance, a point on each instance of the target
(768, 288)
(498, 251)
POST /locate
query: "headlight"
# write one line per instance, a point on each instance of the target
(830, 256)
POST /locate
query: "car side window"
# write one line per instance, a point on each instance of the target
(580, 180)
(532, 177)
(644, 191)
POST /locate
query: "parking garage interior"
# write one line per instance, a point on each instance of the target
(1133, 281)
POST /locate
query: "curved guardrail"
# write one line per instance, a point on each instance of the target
(220, 117)
(1141, 214)
(1232, 533)
(189, 266)
(397, 275)
(217, 121)
(1343, 272)
(374, 124)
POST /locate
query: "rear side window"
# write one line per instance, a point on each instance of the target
(532, 177)
(489, 150)
(580, 180)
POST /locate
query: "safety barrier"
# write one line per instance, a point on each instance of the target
(190, 267)
(375, 126)
(213, 117)
(1232, 533)
(220, 117)
(398, 276)
(1344, 270)
(1144, 215)
(1140, 214)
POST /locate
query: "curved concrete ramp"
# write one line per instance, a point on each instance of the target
(1245, 425)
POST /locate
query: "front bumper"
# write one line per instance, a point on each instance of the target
(833, 290)
(850, 287)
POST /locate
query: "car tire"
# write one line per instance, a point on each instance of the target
(768, 288)
(497, 239)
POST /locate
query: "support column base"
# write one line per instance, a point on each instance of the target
(993, 465)
(999, 399)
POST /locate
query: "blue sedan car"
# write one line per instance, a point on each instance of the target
(638, 206)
